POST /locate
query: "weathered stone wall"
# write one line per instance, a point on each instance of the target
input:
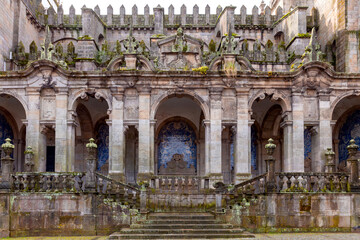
(290, 212)
(61, 214)
(6, 29)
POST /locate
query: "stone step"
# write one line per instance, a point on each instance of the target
(115, 236)
(181, 216)
(127, 231)
(183, 226)
(181, 221)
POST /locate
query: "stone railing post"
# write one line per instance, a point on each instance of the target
(330, 161)
(143, 196)
(354, 166)
(29, 156)
(220, 188)
(270, 165)
(7, 164)
(90, 165)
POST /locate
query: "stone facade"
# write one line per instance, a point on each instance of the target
(180, 102)
(122, 78)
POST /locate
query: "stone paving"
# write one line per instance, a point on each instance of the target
(292, 236)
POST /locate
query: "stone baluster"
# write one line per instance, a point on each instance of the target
(183, 15)
(243, 15)
(60, 15)
(146, 15)
(90, 165)
(207, 14)
(270, 166)
(353, 164)
(109, 17)
(122, 15)
(134, 15)
(171, 15)
(255, 15)
(330, 161)
(29, 156)
(7, 164)
(72, 15)
(195, 14)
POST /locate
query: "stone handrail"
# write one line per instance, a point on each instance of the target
(48, 182)
(179, 184)
(312, 182)
(254, 185)
(105, 184)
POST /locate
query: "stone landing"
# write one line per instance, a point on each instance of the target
(181, 225)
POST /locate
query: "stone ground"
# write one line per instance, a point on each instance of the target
(292, 236)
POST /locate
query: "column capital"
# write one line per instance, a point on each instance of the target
(216, 93)
(143, 90)
(242, 91)
(206, 122)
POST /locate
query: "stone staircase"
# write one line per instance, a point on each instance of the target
(181, 225)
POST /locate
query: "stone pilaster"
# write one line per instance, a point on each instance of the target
(116, 137)
(324, 138)
(61, 131)
(207, 147)
(71, 126)
(288, 142)
(242, 160)
(215, 172)
(297, 163)
(145, 170)
(33, 136)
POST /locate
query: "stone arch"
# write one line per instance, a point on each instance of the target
(275, 95)
(198, 99)
(341, 97)
(85, 93)
(19, 98)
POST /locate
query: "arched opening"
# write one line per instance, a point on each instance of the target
(279, 38)
(179, 137)
(131, 154)
(91, 115)
(346, 114)
(267, 113)
(12, 114)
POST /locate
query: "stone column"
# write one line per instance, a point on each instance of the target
(152, 145)
(33, 135)
(116, 137)
(61, 142)
(207, 147)
(325, 132)
(145, 171)
(270, 166)
(215, 135)
(242, 160)
(90, 165)
(353, 165)
(288, 142)
(297, 163)
(71, 126)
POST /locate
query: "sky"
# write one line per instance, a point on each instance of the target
(103, 4)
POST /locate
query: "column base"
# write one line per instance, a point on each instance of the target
(241, 177)
(214, 178)
(117, 176)
(144, 177)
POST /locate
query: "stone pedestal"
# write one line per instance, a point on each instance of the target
(90, 179)
(353, 165)
(7, 165)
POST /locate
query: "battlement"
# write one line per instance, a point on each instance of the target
(258, 17)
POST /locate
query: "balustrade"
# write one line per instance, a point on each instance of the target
(179, 184)
(48, 182)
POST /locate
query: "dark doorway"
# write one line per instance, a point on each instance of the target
(50, 158)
